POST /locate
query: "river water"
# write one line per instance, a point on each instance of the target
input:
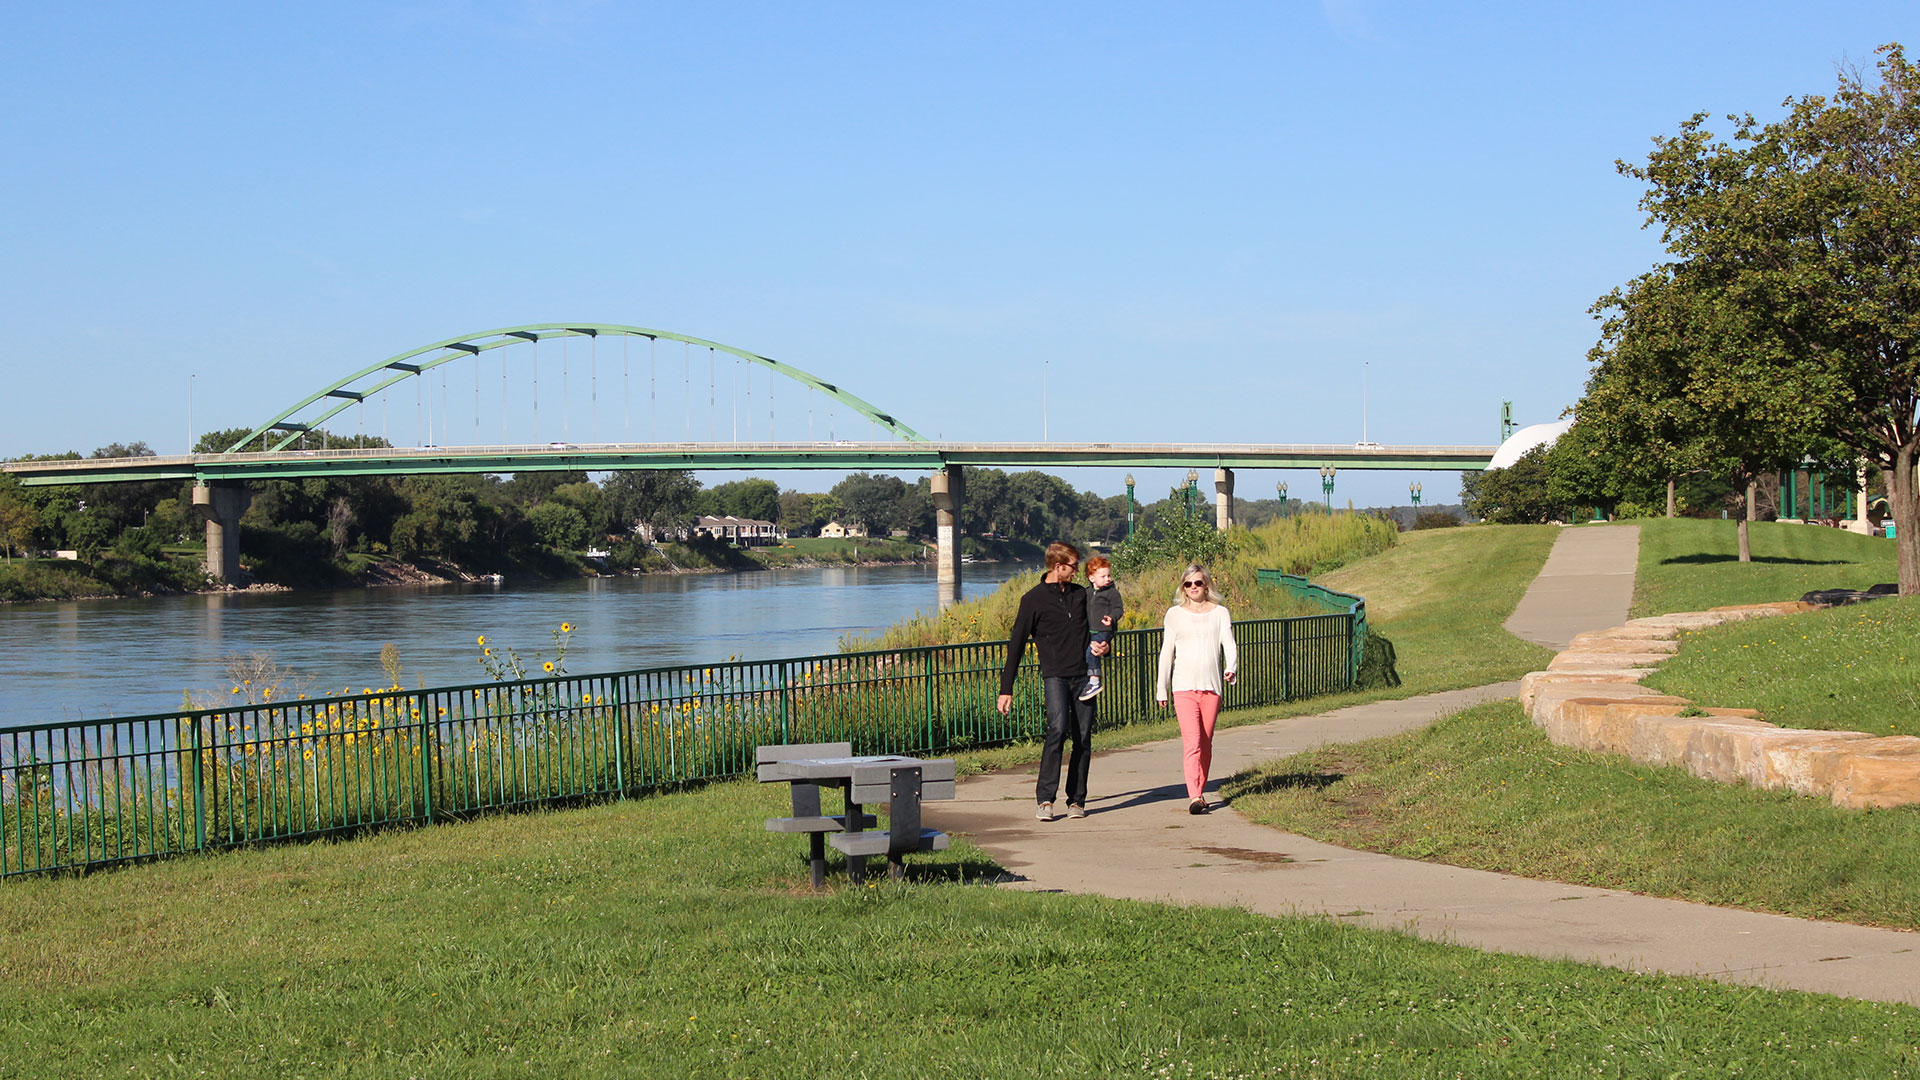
(100, 658)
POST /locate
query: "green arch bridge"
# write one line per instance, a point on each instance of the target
(220, 496)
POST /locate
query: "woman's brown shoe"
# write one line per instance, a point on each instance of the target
(1197, 806)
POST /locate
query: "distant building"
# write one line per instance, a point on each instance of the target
(745, 532)
(833, 530)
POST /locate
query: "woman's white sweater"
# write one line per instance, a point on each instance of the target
(1190, 652)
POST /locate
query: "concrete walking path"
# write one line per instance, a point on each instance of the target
(1139, 842)
(1587, 584)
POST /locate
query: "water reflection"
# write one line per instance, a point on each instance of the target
(69, 661)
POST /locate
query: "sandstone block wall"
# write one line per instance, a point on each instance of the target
(1590, 697)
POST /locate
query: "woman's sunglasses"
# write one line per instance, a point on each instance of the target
(1194, 584)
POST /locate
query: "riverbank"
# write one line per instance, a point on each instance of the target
(114, 577)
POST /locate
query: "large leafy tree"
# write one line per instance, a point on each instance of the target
(1691, 377)
(1810, 226)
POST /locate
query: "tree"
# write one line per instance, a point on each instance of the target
(18, 518)
(1809, 227)
(654, 496)
(750, 498)
(1515, 495)
(1693, 376)
(872, 500)
(558, 526)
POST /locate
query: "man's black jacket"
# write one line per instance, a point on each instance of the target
(1054, 618)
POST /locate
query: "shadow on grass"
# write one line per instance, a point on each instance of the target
(1702, 558)
(1295, 781)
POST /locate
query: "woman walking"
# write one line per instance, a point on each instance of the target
(1198, 630)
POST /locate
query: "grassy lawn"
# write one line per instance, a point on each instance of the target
(670, 937)
(1440, 597)
(1485, 789)
(1691, 565)
(1843, 669)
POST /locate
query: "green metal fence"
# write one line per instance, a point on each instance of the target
(100, 792)
(1329, 599)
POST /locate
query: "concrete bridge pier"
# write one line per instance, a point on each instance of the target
(220, 506)
(1223, 498)
(946, 510)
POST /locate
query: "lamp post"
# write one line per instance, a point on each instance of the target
(1129, 506)
(1280, 489)
(1327, 473)
(1193, 485)
(1413, 490)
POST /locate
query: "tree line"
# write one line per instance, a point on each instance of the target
(323, 530)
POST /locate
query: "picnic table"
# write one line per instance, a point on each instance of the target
(902, 783)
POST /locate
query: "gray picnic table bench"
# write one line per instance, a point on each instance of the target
(902, 783)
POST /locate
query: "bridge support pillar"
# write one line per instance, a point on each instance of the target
(220, 506)
(1223, 498)
(946, 511)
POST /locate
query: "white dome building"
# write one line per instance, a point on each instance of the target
(1526, 439)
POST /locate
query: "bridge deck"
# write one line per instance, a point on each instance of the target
(601, 457)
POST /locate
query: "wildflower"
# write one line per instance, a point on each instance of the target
(547, 667)
(483, 640)
(566, 628)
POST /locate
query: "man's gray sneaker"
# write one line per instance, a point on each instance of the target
(1045, 813)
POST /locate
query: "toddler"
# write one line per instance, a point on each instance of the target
(1104, 609)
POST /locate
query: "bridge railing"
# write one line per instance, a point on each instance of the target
(100, 792)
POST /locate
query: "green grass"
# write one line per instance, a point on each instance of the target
(1486, 789)
(1688, 564)
(670, 937)
(1841, 669)
(1441, 595)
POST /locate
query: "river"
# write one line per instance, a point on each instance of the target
(99, 658)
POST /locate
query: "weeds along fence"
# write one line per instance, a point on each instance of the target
(101, 792)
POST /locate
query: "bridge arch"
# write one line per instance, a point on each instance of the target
(310, 412)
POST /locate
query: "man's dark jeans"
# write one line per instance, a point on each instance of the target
(1067, 718)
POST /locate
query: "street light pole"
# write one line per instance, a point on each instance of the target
(1413, 490)
(1129, 506)
(1327, 473)
(1193, 485)
(1280, 488)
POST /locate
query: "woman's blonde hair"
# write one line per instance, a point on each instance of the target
(1180, 590)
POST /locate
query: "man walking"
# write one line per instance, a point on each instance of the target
(1053, 615)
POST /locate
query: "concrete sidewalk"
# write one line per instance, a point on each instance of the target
(1587, 584)
(1139, 842)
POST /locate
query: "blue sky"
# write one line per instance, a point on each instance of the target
(1200, 224)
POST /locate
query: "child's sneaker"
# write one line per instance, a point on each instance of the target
(1092, 690)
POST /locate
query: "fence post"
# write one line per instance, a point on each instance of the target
(620, 737)
(786, 694)
(929, 669)
(1286, 660)
(426, 761)
(199, 792)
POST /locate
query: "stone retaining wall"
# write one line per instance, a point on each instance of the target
(1590, 697)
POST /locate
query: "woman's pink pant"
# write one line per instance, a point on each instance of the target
(1197, 709)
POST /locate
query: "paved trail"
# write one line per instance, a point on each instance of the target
(1138, 842)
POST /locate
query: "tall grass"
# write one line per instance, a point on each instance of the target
(1303, 544)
